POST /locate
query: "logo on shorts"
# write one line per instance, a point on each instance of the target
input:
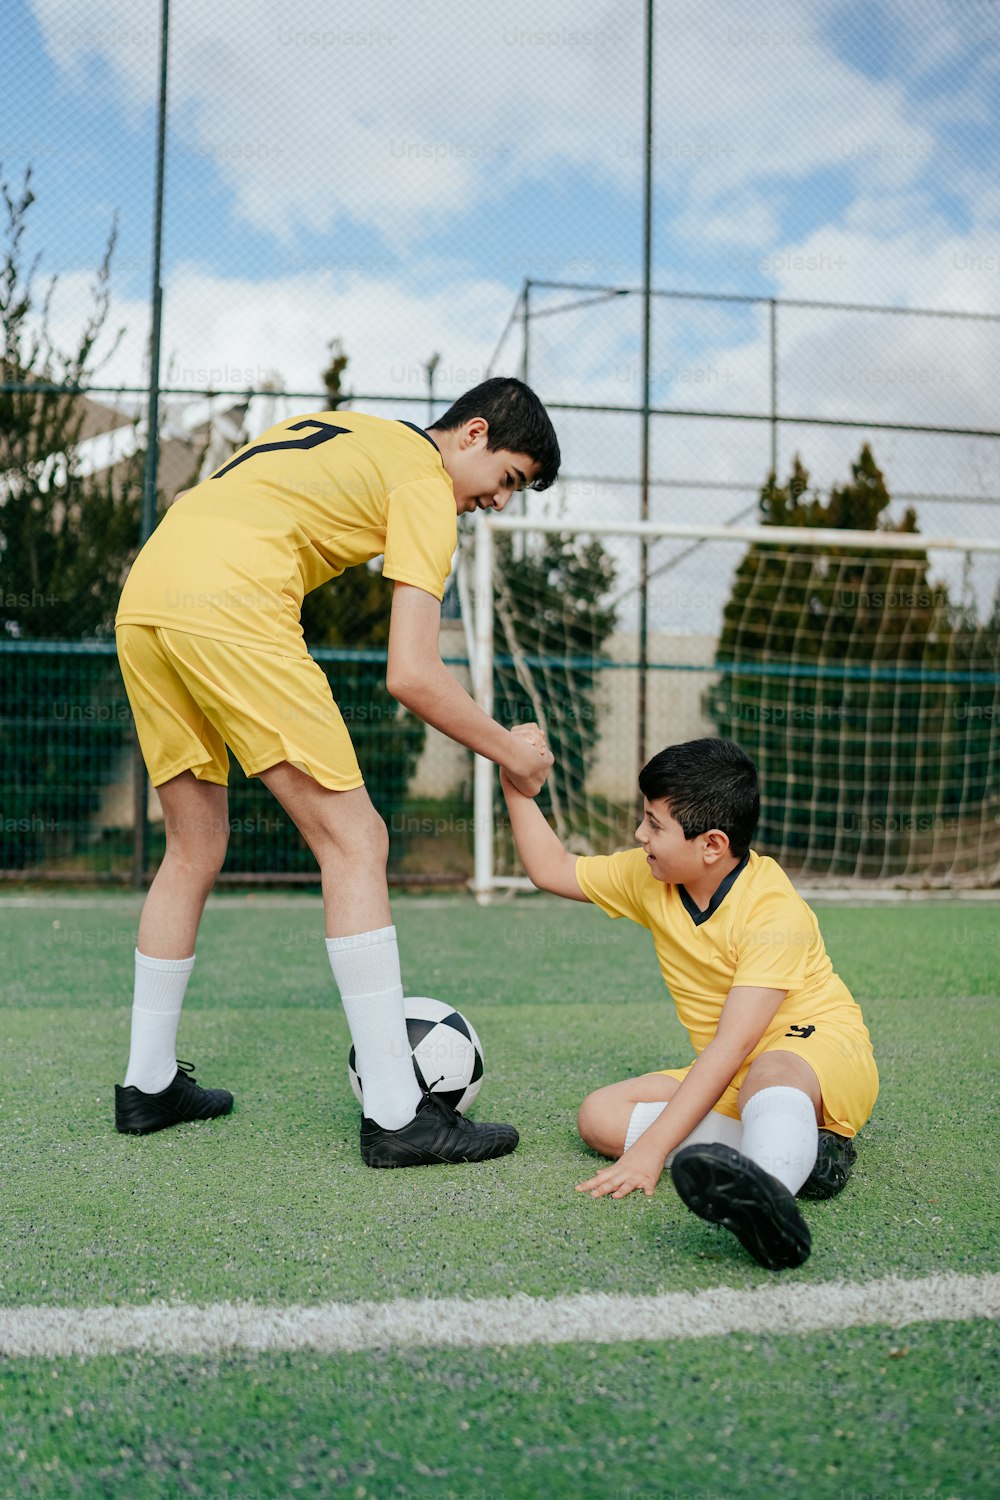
(801, 1031)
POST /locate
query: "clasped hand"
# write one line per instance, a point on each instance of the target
(530, 781)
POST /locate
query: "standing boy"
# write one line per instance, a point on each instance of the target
(784, 1074)
(212, 654)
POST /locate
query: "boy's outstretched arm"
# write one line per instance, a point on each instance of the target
(418, 678)
(745, 1017)
(550, 867)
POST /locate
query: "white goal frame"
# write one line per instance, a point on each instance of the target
(486, 883)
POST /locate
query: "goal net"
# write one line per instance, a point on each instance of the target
(858, 668)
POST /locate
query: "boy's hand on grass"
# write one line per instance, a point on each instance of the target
(637, 1170)
(534, 760)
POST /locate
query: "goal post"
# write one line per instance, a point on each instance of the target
(859, 668)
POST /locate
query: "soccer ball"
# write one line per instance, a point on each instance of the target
(447, 1054)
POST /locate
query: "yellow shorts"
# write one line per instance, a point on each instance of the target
(839, 1053)
(192, 696)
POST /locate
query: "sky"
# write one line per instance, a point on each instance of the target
(392, 175)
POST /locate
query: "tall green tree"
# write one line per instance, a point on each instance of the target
(844, 672)
(66, 537)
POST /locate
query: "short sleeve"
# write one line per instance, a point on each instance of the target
(421, 534)
(616, 883)
(773, 947)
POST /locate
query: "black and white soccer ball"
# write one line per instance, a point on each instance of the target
(447, 1053)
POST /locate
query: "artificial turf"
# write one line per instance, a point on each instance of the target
(273, 1204)
(835, 1416)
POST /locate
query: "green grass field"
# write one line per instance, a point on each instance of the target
(273, 1205)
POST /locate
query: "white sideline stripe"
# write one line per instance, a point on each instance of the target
(451, 1322)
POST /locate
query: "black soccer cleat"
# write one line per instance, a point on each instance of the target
(437, 1134)
(137, 1113)
(835, 1156)
(724, 1187)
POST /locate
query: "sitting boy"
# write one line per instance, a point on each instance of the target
(784, 1074)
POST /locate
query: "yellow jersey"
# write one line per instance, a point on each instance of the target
(234, 557)
(757, 930)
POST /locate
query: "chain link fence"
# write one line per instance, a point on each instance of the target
(362, 188)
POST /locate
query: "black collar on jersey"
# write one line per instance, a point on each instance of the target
(694, 910)
(414, 428)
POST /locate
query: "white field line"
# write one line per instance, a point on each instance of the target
(331, 1328)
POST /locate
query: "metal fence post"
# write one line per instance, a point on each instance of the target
(774, 386)
(140, 822)
(482, 687)
(647, 314)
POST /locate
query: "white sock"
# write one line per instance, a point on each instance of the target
(156, 1010)
(780, 1134)
(715, 1127)
(366, 968)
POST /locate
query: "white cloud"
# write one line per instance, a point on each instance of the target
(393, 117)
(408, 121)
(220, 332)
(403, 119)
(740, 217)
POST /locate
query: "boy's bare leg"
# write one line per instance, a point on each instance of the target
(195, 817)
(351, 845)
(603, 1117)
(196, 821)
(780, 1069)
(612, 1119)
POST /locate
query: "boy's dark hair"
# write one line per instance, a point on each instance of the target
(706, 784)
(518, 422)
